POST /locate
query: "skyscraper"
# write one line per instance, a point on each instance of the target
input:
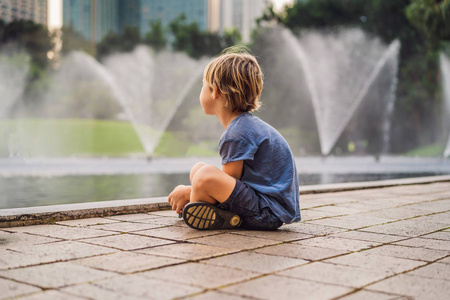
(96, 18)
(240, 14)
(167, 10)
(34, 10)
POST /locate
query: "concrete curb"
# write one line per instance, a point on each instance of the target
(54, 213)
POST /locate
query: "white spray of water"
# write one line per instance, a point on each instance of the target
(13, 76)
(445, 70)
(339, 69)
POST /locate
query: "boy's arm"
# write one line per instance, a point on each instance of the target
(234, 169)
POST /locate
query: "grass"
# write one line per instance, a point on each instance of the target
(427, 151)
(82, 137)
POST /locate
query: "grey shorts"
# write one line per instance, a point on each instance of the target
(245, 202)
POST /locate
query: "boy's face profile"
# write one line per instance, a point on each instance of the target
(206, 98)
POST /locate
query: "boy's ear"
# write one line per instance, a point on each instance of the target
(215, 92)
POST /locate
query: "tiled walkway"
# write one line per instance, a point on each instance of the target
(384, 243)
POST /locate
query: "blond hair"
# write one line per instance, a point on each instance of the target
(237, 76)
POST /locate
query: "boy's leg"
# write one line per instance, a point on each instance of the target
(210, 184)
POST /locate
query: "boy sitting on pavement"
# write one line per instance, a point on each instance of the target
(257, 187)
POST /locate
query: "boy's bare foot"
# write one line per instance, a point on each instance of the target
(203, 216)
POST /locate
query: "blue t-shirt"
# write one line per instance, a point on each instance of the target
(269, 166)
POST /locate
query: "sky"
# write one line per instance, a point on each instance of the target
(55, 11)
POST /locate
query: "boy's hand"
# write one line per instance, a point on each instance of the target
(179, 197)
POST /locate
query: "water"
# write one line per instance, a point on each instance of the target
(445, 70)
(27, 183)
(340, 69)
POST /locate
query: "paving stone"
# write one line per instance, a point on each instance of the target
(311, 214)
(132, 217)
(445, 260)
(177, 233)
(125, 226)
(335, 274)
(408, 252)
(441, 218)
(312, 229)
(338, 243)
(397, 213)
(300, 251)
(440, 235)
(435, 270)
(256, 262)
(38, 254)
(202, 275)
(234, 241)
(186, 251)
(8, 240)
(426, 243)
(163, 221)
(410, 228)
(216, 296)
(434, 206)
(86, 222)
(389, 265)
(368, 295)
(11, 289)
(127, 262)
(337, 210)
(282, 234)
(55, 275)
(350, 221)
(127, 241)
(164, 213)
(368, 236)
(280, 287)
(62, 232)
(414, 286)
(147, 288)
(96, 292)
(52, 295)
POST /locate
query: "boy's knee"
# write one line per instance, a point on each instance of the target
(205, 176)
(195, 169)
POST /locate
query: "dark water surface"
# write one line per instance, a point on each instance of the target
(25, 184)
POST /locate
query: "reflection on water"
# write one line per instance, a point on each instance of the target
(25, 191)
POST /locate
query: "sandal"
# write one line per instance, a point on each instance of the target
(204, 216)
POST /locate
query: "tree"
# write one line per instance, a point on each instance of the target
(196, 43)
(32, 37)
(74, 41)
(431, 17)
(156, 36)
(123, 42)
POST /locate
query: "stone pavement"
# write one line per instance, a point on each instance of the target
(381, 243)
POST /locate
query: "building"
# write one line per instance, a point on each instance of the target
(168, 10)
(210, 15)
(241, 14)
(96, 18)
(34, 10)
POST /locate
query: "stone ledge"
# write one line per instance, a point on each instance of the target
(55, 213)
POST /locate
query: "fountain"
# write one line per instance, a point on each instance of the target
(340, 69)
(140, 87)
(13, 76)
(445, 70)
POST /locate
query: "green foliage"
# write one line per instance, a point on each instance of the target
(196, 43)
(31, 37)
(74, 41)
(122, 42)
(431, 17)
(156, 36)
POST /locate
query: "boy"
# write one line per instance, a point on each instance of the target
(257, 187)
